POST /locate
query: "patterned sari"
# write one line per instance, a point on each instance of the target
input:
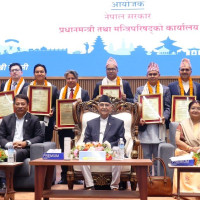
(190, 134)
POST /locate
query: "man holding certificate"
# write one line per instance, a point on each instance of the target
(185, 85)
(113, 79)
(183, 92)
(16, 82)
(152, 130)
(71, 90)
(39, 96)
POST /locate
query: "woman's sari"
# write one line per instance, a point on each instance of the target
(190, 134)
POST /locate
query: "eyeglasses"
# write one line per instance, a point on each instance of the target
(152, 74)
(15, 70)
(111, 69)
(187, 70)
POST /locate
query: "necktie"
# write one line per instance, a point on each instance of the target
(13, 85)
(71, 94)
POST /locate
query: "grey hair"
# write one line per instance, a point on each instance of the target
(71, 72)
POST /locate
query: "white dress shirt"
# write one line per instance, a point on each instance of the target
(186, 86)
(103, 123)
(19, 129)
(13, 85)
(69, 91)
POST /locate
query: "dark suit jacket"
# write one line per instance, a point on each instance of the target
(85, 95)
(25, 84)
(175, 89)
(32, 129)
(126, 87)
(114, 131)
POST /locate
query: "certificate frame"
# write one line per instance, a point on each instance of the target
(10, 94)
(116, 88)
(48, 103)
(59, 111)
(174, 110)
(159, 106)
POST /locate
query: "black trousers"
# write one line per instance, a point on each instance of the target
(48, 129)
(62, 134)
(22, 154)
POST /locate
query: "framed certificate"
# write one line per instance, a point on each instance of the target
(179, 109)
(40, 99)
(6, 103)
(152, 108)
(64, 116)
(110, 90)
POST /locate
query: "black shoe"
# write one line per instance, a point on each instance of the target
(62, 181)
(2, 184)
(78, 182)
(123, 185)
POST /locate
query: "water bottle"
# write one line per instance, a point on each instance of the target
(115, 153)
(121, 149)
(11, 155)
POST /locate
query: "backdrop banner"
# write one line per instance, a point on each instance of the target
(82, 35)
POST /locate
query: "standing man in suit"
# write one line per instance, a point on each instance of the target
(185, 85)
(152, 135)
(16, 82)
(40, 74)
(113, 79)
(101, 129)
(71, 90)
(20, 129)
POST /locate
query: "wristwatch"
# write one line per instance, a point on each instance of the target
(28, 143)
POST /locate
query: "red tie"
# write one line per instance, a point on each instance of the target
(71, 94)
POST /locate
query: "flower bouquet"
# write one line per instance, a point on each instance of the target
(3, 155)
(196, 157)
(92, 146)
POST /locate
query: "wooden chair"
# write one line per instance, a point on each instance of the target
(130, 114)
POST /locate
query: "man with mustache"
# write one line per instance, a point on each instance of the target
(113, 79)
(185, 85)
(151, 135)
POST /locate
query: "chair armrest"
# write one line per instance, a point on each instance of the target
(37, 150)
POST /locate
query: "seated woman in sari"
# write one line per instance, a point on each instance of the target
(188, 140)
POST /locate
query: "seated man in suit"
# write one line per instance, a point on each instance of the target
(101, 129)
(113, 79)
(20, 129)
(16, 81)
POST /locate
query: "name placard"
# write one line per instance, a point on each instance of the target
(53, 156)
(92, 155)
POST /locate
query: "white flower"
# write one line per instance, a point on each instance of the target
(108, 144)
